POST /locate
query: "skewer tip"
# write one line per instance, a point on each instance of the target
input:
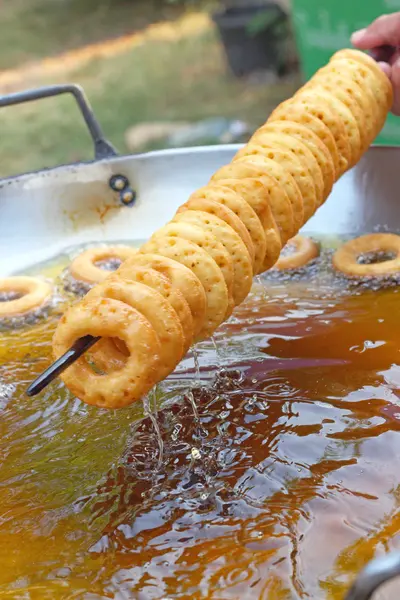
(62, 363)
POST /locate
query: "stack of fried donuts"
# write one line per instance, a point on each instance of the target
(188, 278)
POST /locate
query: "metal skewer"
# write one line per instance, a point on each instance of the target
(77, 349)
(377, 572)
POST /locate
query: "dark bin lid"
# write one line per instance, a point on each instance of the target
(241, 15)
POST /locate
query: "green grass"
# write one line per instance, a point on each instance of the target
(33, 29)
(183, 80)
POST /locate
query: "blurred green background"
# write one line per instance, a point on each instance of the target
(322, 27)
(171, 75)
(152, 62)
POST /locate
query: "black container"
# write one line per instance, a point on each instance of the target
(247, 52)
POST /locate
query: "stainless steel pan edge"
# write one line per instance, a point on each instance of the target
(42, 213)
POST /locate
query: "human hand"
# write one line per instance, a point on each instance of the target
(384, 32)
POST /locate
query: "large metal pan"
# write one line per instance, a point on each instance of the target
(43, 212)
(118, 198)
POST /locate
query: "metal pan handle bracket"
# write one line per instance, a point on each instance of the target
(102, 148)
(377, 572)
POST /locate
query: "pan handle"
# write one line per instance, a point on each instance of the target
(102, 148)
(376, 573)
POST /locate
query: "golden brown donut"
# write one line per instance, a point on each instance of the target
(160, 283)
(181, 279)
(84, 267)
(347, 258)
(31, 293)
(109, 318)
(305, 250)
(158, 312)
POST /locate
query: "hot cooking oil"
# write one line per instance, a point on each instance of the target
(266, 466)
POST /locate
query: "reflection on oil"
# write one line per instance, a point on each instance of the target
(273, 475)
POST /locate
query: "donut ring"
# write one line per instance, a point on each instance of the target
(155, 309)
(182, 279)
(109, 319)
(84, 267)
(305, 251)
(346, 258)
(32, 294)
(160, 283)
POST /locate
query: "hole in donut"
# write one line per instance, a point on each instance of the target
(9, 296)
(288, 250)
(91, 361)
(109, 264)
(105, 362)
(121, 346)
(375, 256)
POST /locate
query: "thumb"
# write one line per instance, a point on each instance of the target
(387, 69)
(384, 31)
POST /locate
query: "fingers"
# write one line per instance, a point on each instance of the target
(384, 31)
(395, 78)
(387, 69)
(383, 37)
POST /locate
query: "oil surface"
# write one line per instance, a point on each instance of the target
(274, 473)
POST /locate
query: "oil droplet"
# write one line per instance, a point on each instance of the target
(196, 454)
